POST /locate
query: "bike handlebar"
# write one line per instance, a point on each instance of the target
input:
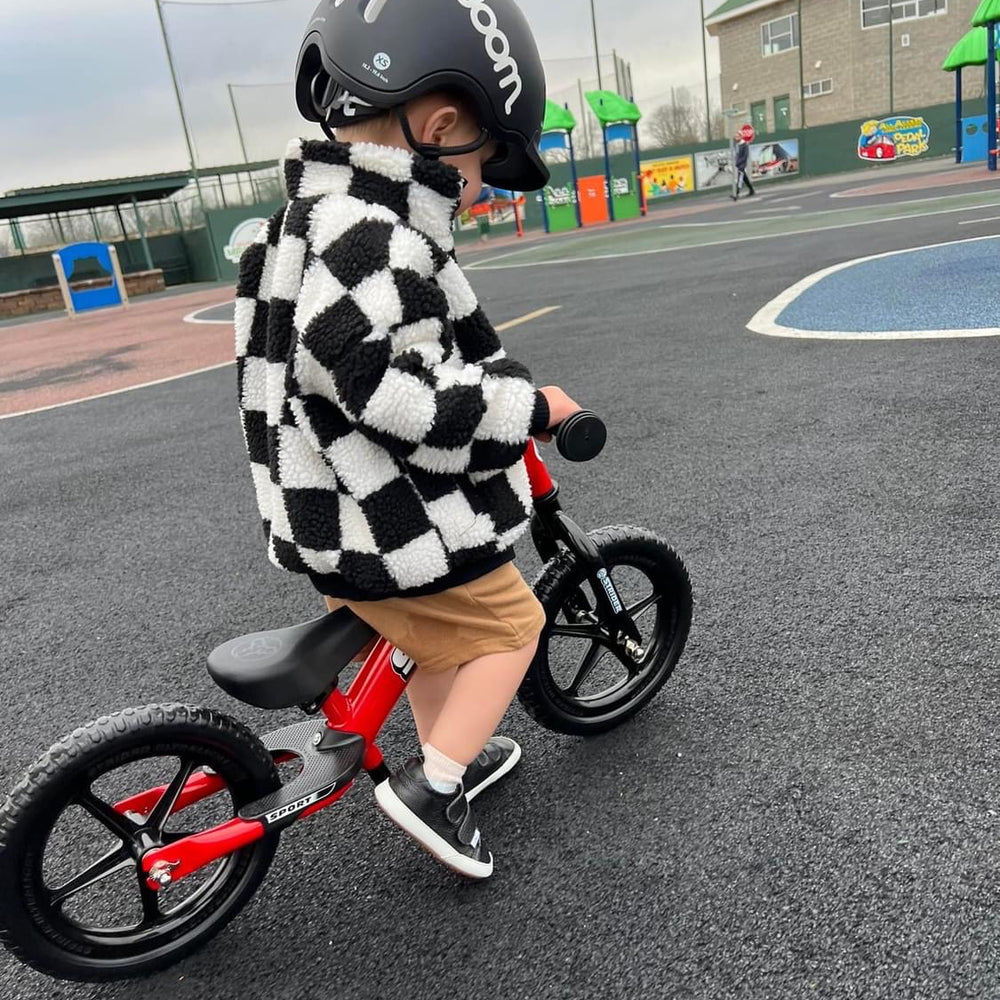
(581, 437)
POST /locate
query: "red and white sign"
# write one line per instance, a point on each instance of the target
(747, 133)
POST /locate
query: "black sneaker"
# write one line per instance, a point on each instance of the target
(498, 757)
(441, 822)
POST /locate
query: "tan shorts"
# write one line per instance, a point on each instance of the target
(497, 613)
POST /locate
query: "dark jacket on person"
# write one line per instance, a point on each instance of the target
(742, 155)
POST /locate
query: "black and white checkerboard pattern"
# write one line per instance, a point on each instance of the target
(386, 426)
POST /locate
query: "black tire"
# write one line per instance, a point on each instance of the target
(562, 584)
(59, 791)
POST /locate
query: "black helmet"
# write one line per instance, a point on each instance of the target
(362, 57)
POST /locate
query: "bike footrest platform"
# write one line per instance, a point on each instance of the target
(330, 760)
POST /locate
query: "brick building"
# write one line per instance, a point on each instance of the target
(841, 69)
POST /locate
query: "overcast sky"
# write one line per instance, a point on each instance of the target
(85, 90)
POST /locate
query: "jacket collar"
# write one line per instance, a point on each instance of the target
(424, 193)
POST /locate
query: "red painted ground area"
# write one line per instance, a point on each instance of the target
(918, 182)
(60, 360)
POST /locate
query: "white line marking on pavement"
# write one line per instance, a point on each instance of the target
(193, 317)
(489, 265)
(765, 321)
(510, 324)
(785, 208)
(976, 222)
(117, 392)
(720, 222)
(537, 314)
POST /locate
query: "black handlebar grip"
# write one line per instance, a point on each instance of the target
(582, 436)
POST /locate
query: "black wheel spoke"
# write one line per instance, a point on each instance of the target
(644, 605)
(591, 632)
(171, 836)
(151, 914)
(122, 827)
(114, 861)
(632, 668)
(161, 811)
(587, 665)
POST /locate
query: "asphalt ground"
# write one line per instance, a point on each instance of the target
(809, 808)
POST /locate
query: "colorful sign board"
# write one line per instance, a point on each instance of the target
(559, 194)
(241, 237)
(774, 159)
(665, 178)
(891, 138)
(713, 168)
(97, 261)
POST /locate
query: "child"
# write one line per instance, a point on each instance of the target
(385, 424)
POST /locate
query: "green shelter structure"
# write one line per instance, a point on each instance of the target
(155, 222)
(619, 118)
(969, 50)
(987, 15)
(560, 200)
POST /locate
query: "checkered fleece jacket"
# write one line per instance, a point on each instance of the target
(385, 425)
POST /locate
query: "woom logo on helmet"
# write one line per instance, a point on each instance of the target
(497, 47)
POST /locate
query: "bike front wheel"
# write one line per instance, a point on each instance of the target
(74, 903)
(582, 681)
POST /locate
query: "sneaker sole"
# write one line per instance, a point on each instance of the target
(414, 827)
(505, 768)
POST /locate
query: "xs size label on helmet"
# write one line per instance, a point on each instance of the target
(381, 61)
(484, 20)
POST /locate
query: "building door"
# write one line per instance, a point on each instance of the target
(782, 114)
(758, 116)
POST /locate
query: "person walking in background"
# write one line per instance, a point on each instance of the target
(742, 177)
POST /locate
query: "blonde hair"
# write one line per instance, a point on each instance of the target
(377, 128)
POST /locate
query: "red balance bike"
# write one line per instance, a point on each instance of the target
(137, 837)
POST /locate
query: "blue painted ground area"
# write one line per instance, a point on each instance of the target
(951, 287)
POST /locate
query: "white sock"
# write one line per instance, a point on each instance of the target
(442, 773)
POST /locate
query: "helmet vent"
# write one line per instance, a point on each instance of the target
(374, 8)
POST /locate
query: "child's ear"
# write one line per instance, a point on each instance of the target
(440, 125)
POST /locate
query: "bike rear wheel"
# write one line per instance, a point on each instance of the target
(75, 904)
(582, 681)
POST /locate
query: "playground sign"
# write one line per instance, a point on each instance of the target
(241, 238)
(93, 260)
(893, 137)
(663, 178)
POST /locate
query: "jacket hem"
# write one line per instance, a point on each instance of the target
(333, 585)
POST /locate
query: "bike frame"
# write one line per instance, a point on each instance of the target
(362, 709)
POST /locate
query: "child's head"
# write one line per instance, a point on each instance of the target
(446, 119)
(459, 80)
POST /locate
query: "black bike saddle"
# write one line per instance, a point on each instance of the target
(289, 666)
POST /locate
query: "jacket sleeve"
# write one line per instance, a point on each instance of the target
(391, 333)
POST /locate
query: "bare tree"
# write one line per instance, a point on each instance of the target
(678, 123)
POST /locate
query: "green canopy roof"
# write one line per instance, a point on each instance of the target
(557, 118)
(611, 107)
(988, 10)
(969, 50)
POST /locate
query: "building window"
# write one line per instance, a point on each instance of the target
(818, 88)
(876, 12)
(780, 35)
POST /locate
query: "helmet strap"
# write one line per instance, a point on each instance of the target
(432, 151)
